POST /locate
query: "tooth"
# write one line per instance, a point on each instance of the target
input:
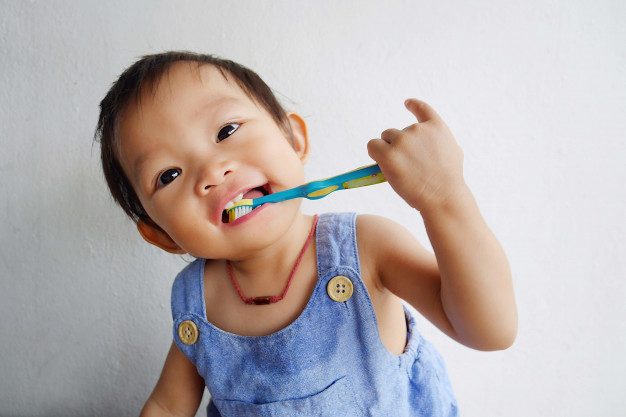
(231, 203)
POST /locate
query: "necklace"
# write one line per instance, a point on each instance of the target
(269, 299)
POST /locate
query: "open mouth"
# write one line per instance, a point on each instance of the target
(251, 194)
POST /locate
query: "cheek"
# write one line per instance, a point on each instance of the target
(282, 153)
(168, 213)
(186, 233)
(286, 168)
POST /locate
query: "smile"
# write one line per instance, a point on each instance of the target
(250, 194)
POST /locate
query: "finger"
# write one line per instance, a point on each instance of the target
(377, 148)
(390, 135)
(421, 110)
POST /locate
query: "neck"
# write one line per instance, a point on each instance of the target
(267, 270)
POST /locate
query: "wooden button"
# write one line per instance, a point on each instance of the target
(340, 288)
(188, 332)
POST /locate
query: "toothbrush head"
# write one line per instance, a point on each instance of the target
(239, 209)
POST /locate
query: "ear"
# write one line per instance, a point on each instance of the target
(300, 135)
(158, 238)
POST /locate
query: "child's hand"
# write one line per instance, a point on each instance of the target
(422, 162)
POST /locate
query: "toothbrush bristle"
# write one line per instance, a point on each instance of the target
(237, 212)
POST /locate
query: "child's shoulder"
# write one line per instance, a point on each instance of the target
(375, 224)
(377, 234)
(394, 258)
(380, 240)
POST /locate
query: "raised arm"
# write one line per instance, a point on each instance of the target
(466, 288)
(179, 390)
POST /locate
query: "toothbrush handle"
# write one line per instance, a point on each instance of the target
(359, 177)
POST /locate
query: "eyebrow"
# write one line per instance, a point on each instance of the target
(214, 103)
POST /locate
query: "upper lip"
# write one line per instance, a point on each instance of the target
(230, 195)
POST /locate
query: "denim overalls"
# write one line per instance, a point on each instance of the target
(329, 362)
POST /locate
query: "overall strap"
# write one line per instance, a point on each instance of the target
(336, 242)
(187, 291)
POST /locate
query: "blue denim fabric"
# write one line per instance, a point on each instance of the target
(329, 362)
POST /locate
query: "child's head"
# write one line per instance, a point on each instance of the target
(165, 130)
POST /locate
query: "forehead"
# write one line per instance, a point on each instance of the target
(173, 103)
(178, 96)
(187, 84)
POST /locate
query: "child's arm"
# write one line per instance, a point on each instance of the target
(179, 389)
(467, 290)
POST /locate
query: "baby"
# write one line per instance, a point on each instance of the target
(281, 313)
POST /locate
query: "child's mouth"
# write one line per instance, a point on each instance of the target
(257, 192)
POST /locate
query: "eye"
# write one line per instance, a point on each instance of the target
(168, 176)
(227, 130)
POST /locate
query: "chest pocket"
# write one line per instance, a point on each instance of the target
(337, 400)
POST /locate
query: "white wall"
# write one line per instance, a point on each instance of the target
(535, 92)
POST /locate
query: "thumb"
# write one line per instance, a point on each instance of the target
(421, 110)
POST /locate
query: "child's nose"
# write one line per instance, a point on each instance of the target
(213, 173)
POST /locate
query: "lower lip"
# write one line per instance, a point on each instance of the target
(247, 217)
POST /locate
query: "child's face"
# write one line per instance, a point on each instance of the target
(196, 144)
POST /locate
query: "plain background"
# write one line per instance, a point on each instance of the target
(534, 91)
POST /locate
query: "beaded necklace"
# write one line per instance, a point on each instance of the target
(269, 299)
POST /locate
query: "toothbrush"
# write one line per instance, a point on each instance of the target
(360, 177)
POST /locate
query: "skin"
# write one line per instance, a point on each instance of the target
(465, 288)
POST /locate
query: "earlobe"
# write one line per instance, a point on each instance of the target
(300, 135)
(158, 238)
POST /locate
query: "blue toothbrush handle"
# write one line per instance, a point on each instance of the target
(359, 177)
